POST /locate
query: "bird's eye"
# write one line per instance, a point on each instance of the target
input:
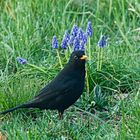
(75, 57)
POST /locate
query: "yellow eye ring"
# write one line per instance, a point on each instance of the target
(75, 57)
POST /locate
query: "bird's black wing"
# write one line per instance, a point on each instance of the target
(54, 89)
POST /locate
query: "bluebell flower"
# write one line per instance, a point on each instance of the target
(84, 38)
(71, 40)
(102, 42)
(65, 40)
(76, 44)
(74, 30)
(54, 42)
(73, 34)
(66, 35)
(21, 60)
(82, 46)
(64, 43)
(80, 34)
(89, 30)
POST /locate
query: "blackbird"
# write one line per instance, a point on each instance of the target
(63, 90)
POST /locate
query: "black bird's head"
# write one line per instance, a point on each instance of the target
(78, 59)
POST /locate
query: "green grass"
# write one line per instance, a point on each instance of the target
(111, 108)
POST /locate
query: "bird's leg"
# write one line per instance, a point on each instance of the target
(60, 115)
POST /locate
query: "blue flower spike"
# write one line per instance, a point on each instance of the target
(73, 34)
(89, 30)
(64, 44)
(66, 35)
(76, 44)
(82, 46)
(80, 34)
(74, 30)
(21, 60)
(65, 40)
(102, 42)
(85, 38)
(55, 42)
(71, 40)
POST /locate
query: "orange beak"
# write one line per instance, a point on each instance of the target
(84, 57)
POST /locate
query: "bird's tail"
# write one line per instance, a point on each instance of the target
(13, 109)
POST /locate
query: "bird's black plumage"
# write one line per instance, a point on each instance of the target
(63, 90)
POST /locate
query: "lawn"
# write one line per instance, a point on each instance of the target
(109, 108)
